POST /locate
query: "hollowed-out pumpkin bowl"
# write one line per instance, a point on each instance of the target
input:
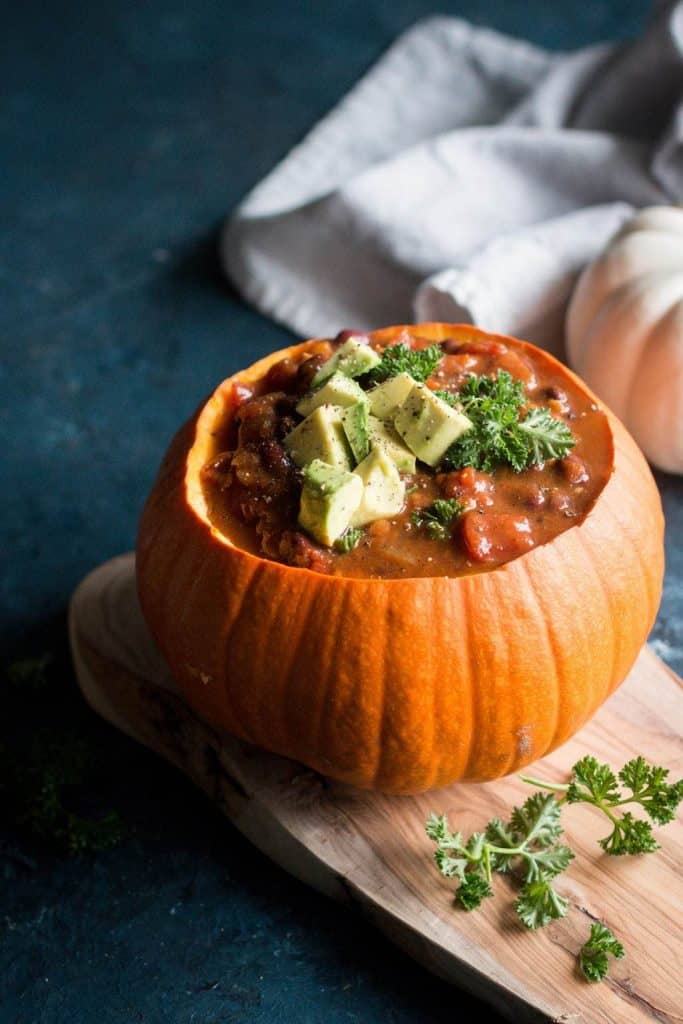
(399, 684)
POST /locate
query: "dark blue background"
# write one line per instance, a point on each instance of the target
(127, 131)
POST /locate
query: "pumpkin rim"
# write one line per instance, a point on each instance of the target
(192, 462)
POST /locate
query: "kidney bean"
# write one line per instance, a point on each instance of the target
(346, 334)
(262, 418)
(574, 469)
(480, 347)
(467, 483)
(450, 346)
(559, 502)
(218, 471)
(276, 459)
(495, 537)
(526, 492)
(295, 548)
(281, 376)
(535, 496)
(306, 372)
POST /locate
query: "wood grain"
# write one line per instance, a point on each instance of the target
(371, 849)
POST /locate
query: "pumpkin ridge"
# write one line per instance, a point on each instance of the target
(430, 676)
(383, 718)
(499, 626)
(555, 658)
(434, 758)
(328, 682)
(615, 508)
(167, 579)
(634, 461)
(471, 685)
(289, 668)
(293, 677)
(615, 659)
(195, 585)
(237, 691)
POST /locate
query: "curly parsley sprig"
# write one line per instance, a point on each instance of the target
(594, 783)
(420, 363)
(529, 848)
(596, 950)
(529, 845)
(349, 540)
(505, 431)
(437, 518)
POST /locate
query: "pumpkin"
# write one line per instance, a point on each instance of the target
(398, 684)
(625, 331)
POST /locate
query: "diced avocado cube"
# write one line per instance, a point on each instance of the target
(329, 499)
(355, 419)
(353, 358)
(320, 436)
(385, 439)
(383, 489)
(386, 398)
(339, 390)
(428, 425)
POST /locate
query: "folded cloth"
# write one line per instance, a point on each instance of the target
(468, 176)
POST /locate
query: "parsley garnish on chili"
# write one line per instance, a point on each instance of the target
(436, 519)
(420, 363)
(349, 540)
(504, 431)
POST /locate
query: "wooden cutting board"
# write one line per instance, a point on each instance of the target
(372, 850)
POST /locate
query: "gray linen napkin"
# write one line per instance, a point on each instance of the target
(467, 176)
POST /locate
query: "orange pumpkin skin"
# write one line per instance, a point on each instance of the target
(399, 685)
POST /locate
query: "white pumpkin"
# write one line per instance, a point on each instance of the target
(625, 331)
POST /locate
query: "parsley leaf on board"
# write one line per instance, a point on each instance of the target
(539, 903)
(502, 433)
(473, 890)
(593, 782)
(593, 955)
(436, 518)
(528, 845)
(420, 363)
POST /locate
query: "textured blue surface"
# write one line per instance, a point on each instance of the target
(127, 132)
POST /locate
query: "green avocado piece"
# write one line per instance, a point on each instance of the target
(356, 426)
(353, 358)
(339, 390)
(383, 490)
(329, 499)
(384, 438)
(428, 425)
(320, 436)
(386, 398)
